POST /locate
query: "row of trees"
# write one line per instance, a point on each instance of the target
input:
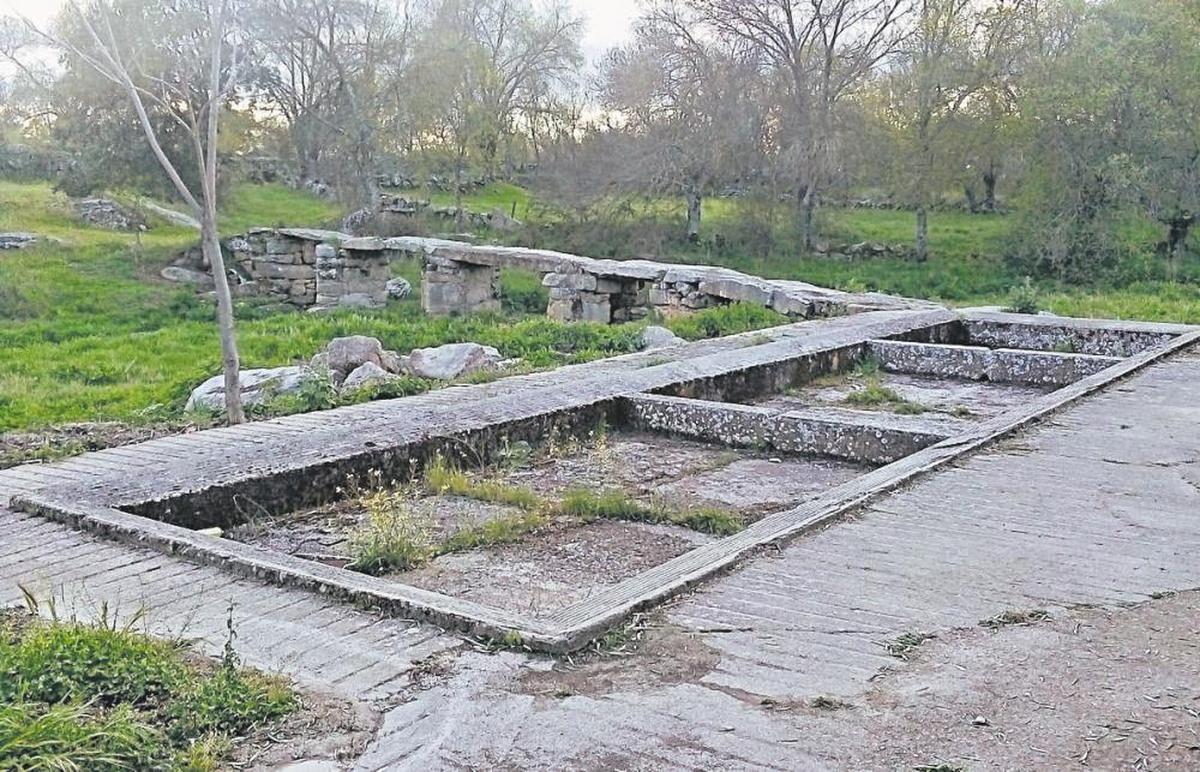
(1077, 113)
(1090, 112)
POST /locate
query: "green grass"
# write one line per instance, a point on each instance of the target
(77, 695)
(497, 530)
(614, 504)
(89, 332)
(443, 479)
(494, 195)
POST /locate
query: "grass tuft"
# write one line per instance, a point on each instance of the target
(614, 504)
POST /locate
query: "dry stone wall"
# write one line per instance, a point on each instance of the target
(326, 269)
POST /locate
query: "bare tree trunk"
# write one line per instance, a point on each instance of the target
(921, 252)
(460, 216)
(808, 204)
(694, 203)
(231, 366)
(1177, 235)
(989, 188)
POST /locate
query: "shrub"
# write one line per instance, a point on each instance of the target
(395, 538)
(1024, 298)
(231, 701)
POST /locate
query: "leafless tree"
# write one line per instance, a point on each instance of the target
(689, 108)
(203, 54)
(820, 50)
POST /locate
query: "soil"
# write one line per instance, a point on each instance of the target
(676, 473)
(969, 400)
(554, 567)
(325, 729)
(67, 440)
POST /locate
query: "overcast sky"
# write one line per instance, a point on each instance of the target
(608, 20)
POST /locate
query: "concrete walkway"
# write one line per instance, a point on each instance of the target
(1098, 505)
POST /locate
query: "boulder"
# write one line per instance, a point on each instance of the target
(369, 374)
(398, 288)
(445, 363)
(178, 273)
(104, 213)
(394, 363)
(659, 337)
(348, 354)
(256, 385)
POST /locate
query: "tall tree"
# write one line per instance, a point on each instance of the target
(958, 49)
(820, 50)
(690, 115)
(182, 57)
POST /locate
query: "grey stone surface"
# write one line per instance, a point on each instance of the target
(454, 360)
(17, 240)
(349, 353)
(398, 288)
(256, 386)
(178, 273)
(367, 374)
(1043, 368)
(659, 337)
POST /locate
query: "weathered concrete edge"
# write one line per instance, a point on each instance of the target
(582, 622)
(284, 570)
(1082, 324)
(979, 363)
(576, 625)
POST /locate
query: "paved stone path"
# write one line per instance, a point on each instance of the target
(1100, 504)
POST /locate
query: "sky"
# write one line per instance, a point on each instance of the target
(607, 20)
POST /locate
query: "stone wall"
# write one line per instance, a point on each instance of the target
(307, 269)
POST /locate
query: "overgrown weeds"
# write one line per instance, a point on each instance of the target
(396, 537)
(99, 695)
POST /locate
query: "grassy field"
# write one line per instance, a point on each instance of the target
(89, 332)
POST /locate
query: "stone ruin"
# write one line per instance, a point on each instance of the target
(318, 269)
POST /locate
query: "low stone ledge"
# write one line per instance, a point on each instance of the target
(392, 598)
(1029, 368)
(1099, 337)
(871, 439)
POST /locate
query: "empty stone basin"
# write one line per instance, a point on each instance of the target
(962, 399)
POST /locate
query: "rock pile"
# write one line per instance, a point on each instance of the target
(104, 213)
(17, 240)
(347, 365)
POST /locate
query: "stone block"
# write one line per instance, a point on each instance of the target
(574, 281)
